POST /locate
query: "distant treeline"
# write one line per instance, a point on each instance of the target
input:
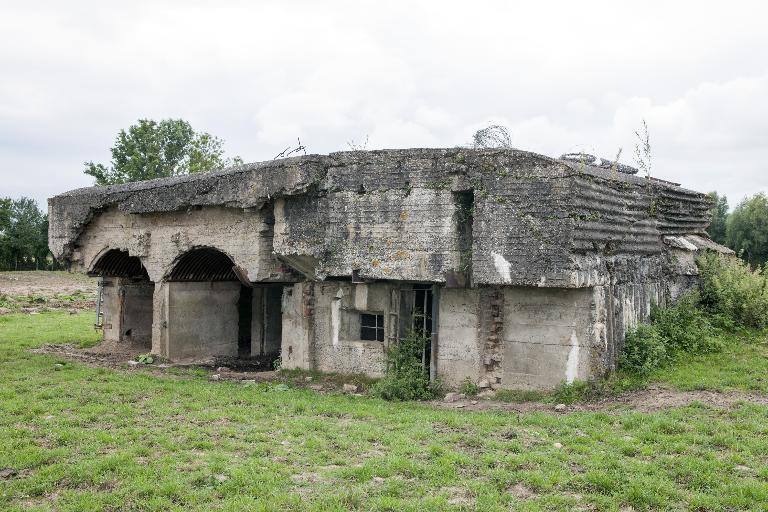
(24, 236)
(745, 229)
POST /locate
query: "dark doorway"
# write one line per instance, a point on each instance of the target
(266, 321)
(244, 309)
(417, 312)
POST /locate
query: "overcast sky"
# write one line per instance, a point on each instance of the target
(563, 76)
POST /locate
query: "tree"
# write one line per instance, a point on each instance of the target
(5, 213)
(151, 150)
(717, 228)
(747, 229)
(23, 235)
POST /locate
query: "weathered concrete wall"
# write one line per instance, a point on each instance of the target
(159, 239)
(338, 347)
(459, 344)
(202, 319)
(548, 337)
(127, 308)
(389, 214)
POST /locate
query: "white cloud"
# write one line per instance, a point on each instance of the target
(579, 76)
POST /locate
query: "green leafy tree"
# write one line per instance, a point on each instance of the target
(719, 218)
(747, 229)
(149, 150)
(5, 213)
(23, 235)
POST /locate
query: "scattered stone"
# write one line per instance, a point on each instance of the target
(378, 479)
(223, 369)
(316, 387)
(484, 384)
(461, 406)
(558, 445)
(49, 417)
(474, 402)
(350, 388)
(451, 397)
(248, 382)
(215, 377)
(308, 379)
(221, 478)
(132, 362)
(628, 438)
(561, 408)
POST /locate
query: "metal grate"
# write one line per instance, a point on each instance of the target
(117, 263)
(203, 264)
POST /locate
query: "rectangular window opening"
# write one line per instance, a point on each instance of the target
(371, 327)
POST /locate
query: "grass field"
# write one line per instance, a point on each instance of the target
(79, 438)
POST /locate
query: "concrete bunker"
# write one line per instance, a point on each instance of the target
(213, 310)
(523, 271)
(125, 298)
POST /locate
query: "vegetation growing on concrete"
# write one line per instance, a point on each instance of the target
(731, 297)
(406, 376)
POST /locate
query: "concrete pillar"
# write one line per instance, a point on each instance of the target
(160, 319)
(111, 308)
(298, 316)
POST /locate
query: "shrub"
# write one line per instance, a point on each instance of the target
(733, 292)
(644, 350)
(684, 328)
(406, 377)
(468, 387)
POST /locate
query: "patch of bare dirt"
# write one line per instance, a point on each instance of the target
(37, 291)
(651, 399)
(105, 354)
(46, 283)
(124, 357)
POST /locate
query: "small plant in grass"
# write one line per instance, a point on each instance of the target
(146, 359)
(406, 377)
(469, 388)
(277, 364)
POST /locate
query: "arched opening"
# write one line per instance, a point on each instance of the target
(203, 264)
(214, 311)
(124, 307)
